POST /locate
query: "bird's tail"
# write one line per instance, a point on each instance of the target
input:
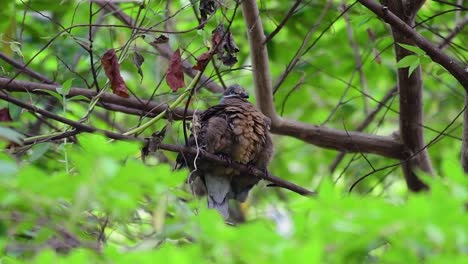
(219, 192)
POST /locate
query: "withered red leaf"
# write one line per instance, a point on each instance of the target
(5, 115)
(202, 61)
(111, 67)
(217, 37)
(175, 75)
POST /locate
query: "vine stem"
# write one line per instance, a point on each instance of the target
(171, 107)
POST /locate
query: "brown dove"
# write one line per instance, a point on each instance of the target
(233, 129)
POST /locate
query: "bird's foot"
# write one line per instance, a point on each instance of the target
(266, 173)
(202, 152)
(252, 169)
(225, 158)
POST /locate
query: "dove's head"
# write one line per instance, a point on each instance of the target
(235, 91)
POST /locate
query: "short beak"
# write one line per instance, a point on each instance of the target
(244, 95)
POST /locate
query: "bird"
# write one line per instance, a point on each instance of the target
(236, 130)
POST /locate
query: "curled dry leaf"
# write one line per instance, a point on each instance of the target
(138, 60)
(202, 61)
(175, 74)
(207, 8)
(224, 45)
(112, 68)
(217, 38)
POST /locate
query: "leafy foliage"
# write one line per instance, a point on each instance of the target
(147, 221)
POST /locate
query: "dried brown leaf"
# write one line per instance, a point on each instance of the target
(224, 46)
(217, 39)
(175, 74)
(111, 67)
(202, 61)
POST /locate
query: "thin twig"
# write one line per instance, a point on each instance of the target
(283, 22)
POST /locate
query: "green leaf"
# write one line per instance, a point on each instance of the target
(53, 94)
(413, 67)
(408, 61)
(11, 135)
(425, 59)
(414, 49)
(66, 86)
(78, 98)
(39, 150)
(8, 168)
(440, 71)
(362, 20)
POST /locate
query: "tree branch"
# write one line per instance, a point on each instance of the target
(432, 51)
(107, 100)
(341, 140)
(259, 57)
(238, 166)
(458, 28)
(283, 22)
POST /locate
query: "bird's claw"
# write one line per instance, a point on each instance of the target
(225, 158)
(251, 169)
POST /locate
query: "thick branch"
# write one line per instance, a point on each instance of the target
(341, 140)
(243, 168)
(432, 51)
(259, 57)
(107, 100)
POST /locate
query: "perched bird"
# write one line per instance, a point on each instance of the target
(233, 129)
